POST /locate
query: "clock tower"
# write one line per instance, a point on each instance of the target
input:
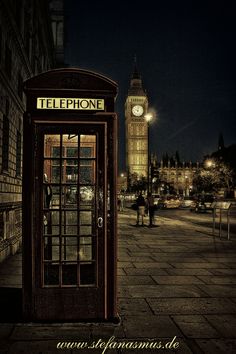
(136, 127)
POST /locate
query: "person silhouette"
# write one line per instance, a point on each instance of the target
(47, 192)
(151, 207)
(140, 201)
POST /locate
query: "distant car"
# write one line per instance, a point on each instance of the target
(169, 202)
(161, 204)
(172, 203)
(156, 198)
(203, 204)
(187, 202)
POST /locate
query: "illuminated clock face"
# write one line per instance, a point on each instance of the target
(137, 110)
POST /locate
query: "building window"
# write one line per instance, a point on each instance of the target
(57, 29)
(8, 61)
(5, 143)
(18, 154)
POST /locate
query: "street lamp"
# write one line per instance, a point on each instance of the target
(148, 117)
(209, 163)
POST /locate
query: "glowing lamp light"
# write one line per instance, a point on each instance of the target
(209, 163)
(148, 117)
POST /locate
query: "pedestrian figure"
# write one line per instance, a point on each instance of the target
(47, 192)
(140, 208)
(122, 202)
(47, 197)
(151, 208)
(119, 204)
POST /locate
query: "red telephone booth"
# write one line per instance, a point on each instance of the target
(69, 197)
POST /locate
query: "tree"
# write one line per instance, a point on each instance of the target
(137, 183)
(213, 176)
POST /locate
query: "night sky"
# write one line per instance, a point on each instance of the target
(186, 55)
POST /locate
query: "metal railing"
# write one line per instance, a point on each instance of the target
(224, 210)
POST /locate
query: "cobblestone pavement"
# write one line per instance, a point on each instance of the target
(177, 285)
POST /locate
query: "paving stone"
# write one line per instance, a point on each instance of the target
(173, 249)
(232, 265)
(223, 279)
(36, 347)
(135, 280)
(5, 330)
(218, 290)
(176, 259)
(152, 265)
(63, 332)
(178, 279)
(163, 241)
(191, 306)
(226, 259)
(217, 346)
(120, 271)
(4, 346)
(124, 265)
(146, 271)
(135, 248)
(222, 272)
(198, 265)
(136, 259)
(146, 253)
(134, 307)
(158, 291)
(195, 326)
(220, 253)
(151, 326)
(103, 330)
(224, 324)
(172, 271)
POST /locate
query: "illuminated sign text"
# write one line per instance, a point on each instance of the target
(94, 104)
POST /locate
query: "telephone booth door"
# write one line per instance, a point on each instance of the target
(69, 217)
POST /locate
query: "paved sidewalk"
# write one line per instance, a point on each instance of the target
(176, 283)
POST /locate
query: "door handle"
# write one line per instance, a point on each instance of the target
(100, 222)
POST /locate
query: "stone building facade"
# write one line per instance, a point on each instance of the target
(26, 49)
(177, 175)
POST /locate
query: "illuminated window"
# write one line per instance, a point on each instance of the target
(69, 232)
(131, 129)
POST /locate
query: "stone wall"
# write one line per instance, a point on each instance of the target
(26, 49)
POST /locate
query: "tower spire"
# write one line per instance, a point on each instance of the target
(221, 143)
(136, 86)
(135, 74)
